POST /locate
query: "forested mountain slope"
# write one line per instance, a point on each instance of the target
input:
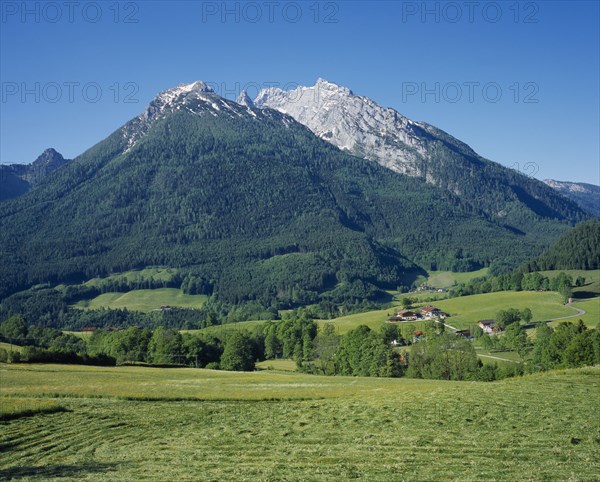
(579, 248)
(360, 126)
(254, 202)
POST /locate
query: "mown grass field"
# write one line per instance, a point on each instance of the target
(11, 408)
(271, 425)
(144, 300)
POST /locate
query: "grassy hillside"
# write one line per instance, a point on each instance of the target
(284, 365)
(592, 313)
(220, 330)
(158, 274)
(144, 300)
(446, 279)
(467, 310)
(9, 347)
(591, 288)
(283, 426)
(373, 319)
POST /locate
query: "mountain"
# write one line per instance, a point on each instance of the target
(587, 196)
(255, 204)
(359, 126)
(17, 179)
(579, 248)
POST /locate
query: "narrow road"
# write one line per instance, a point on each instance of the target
(446, 324)
(570, 305)
(498, 358)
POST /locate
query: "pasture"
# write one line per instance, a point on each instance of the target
(221, 331)
(465, 311)
(592, 313)
(131, 423)
(590, 289)
(143, 300)
(447, 279)
(157, 274)
(10, 347)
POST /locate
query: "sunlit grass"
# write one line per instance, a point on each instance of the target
(144, 300)
(540, 427)
(11, 408)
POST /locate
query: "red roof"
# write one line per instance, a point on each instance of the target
(419, 333)
(429, 308)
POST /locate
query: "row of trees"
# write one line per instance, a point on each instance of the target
(569, 345)
(519, 281)
(360, 352)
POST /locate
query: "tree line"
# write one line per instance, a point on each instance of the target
(518, 281)
(435, 353)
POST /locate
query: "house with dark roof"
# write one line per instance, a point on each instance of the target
(432, 312)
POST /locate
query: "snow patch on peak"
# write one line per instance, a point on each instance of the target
(197, 86)
(167, 101)
(169, 96)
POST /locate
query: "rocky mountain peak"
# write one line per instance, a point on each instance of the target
(196, 97)
(244, 99)
(49, 156)
(352, 122)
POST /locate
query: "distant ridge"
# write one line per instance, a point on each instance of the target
(587, 196)
(17, 179)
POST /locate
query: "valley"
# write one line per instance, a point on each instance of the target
(310, 241)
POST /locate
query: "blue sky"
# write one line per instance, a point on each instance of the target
(518, 81)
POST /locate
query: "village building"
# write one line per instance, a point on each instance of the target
(405, 315)
(489, 327)
(432, 312)
(464, 333)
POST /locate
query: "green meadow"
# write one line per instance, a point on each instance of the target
(284, 365)
(591, 288)
(132, 423)
(158, 274)
(465, 311)
(10, 347)
(592, 312)
(144, 300)
(447, 279)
